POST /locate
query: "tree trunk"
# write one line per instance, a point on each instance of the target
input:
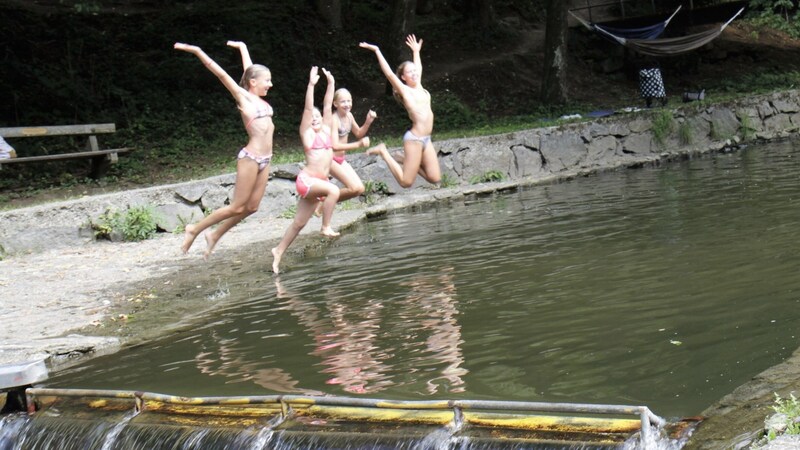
(403, 15)
(331, 12)
(554, 77)
(479, 12)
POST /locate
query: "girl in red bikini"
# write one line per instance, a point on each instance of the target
(312, 181)
(252, 167)
(419, 156)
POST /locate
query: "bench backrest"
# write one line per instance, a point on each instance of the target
(57, 130)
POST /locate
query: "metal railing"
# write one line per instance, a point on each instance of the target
(456, 413)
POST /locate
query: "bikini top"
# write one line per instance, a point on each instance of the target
(322, 141)
(263, 109)
(344, 130)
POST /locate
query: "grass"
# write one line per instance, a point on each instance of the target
(663, 125)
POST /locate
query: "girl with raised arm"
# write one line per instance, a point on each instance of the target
(419, 156)
(252, 167)
(344, 124)
(312, 181)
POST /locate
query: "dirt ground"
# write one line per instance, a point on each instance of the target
(62, 304)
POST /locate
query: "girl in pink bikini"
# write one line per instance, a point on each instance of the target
(252, 167)
(419, 156)
(312, 182)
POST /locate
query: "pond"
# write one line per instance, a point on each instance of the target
(664, 286)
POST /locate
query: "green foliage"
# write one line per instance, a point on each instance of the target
(783, 15)
(759, 81)
(488, 177)
(663, 125)
(448, 181)
(748, 130)
(685, 134)
(288, 213)
(135, 224)
(373, 189)
(791, 408)
(786, 418)
(85, 7)
(138, 223)
(451, 112)
(106, 224)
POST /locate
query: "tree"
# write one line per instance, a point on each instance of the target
(403, 18)
(479, 12)
(331, 12)
(554, 78)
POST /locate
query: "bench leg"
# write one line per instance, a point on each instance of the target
(100, 165)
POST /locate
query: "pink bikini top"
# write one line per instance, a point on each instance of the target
(322, 141)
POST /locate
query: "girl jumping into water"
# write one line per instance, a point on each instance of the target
(252, 167)
(343, 125)
(419, 156)
(312, 181)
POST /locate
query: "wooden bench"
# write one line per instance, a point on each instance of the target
(101, 159)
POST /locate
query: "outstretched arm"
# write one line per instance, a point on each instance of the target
(415, 46)
(212, 66)
(308, 108)
(246, 61)
(387, 71)
(327, 101)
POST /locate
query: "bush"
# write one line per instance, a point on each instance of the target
(373, 189)
(488, 177)
(135, 224)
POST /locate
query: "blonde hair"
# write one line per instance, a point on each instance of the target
(338, 94)
(399, 74)
(252, 73)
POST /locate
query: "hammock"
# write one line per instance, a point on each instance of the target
(671, 46)
(649, 32)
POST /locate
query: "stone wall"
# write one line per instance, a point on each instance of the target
(628, 139)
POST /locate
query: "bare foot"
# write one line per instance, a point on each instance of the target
(377, 150)
(189, 236)
(328, 232)
(276, 259)
(211, 242)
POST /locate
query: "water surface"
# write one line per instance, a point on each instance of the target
(667, 287)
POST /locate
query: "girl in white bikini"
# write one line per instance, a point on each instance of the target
(312, 182)
(252, 167)
(345, 124)
(419, 156)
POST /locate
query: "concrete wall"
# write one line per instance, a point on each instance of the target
(628, 139)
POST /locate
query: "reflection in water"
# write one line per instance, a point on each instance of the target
(347, 339)
(431, 309)
(344, 339)
(223, 357)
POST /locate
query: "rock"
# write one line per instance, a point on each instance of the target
(175, 216)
